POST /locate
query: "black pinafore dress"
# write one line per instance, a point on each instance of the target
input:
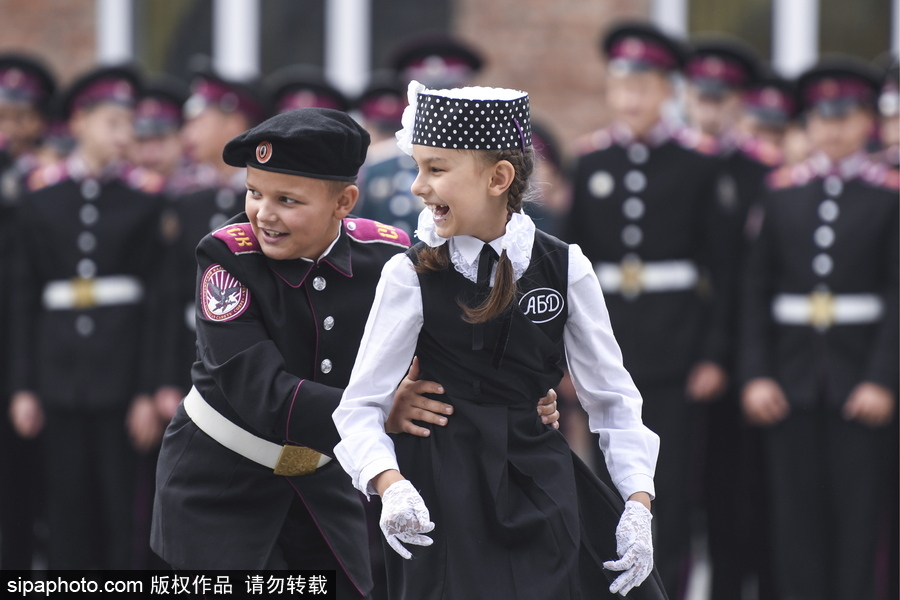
(517, 515)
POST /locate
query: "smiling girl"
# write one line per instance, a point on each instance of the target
(485, 302)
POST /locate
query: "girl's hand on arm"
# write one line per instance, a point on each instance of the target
(634, 545)
(404, 516)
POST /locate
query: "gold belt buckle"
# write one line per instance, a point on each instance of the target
(821, 310)
(297, 460)
(632, 271)
(83, 293)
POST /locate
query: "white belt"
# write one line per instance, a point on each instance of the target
(283, 460)
(78, 293)
(823, 309)
(632, 277)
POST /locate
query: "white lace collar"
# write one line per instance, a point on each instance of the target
(464, 249)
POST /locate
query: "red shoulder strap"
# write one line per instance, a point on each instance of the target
(238, 237)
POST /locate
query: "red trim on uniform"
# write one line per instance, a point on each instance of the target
(287, 427)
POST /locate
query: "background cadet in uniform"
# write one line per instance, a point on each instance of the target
(889, 136)
(217, 110)
(717, 70)
(720, 70)
(88, 249)
(820, 341)
(643, 211)
(158, 119)
(889, 115)
(553, 193)
(439, 61)
(26, 91)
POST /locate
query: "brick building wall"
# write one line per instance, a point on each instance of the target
(62, 32)
(549, 49)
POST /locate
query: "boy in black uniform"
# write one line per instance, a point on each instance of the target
(158, 119)
(644, 212)
(820, 341)
(26, 90)
(283, 294)
(87, 251)
(203, 198)
(723, 77)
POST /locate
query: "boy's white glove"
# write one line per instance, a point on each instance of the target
(404, 517)
(634, 544)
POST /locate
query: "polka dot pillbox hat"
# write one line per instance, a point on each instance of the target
(469, 118)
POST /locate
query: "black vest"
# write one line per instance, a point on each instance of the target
(530, 360)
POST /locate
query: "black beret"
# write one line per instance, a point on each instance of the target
(321, 143)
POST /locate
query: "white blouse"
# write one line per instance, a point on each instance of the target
(604, 387)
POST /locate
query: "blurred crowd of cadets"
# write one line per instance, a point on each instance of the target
(726, 101)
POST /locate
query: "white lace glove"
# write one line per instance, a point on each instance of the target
(634, 544)
(404, 517)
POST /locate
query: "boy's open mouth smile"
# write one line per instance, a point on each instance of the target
(271, 234)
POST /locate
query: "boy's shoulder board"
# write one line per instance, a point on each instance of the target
(695, 140)
(789, 176)
(368, 231)
(47, 175)
(881, 175)
(763, 153)
(239, 238)
(144, 180)
(600, 139)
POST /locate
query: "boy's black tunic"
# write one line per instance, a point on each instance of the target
(277, 370)
(496, 480)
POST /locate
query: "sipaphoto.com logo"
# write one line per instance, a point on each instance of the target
(542, 305)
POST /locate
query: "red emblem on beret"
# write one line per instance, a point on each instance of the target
(264, 152)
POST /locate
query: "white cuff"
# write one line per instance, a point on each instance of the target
(638, 482)
(368, 472)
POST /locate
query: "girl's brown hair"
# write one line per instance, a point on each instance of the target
(504, 291)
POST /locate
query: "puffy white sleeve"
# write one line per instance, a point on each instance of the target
(385, 353)
(605, 389)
